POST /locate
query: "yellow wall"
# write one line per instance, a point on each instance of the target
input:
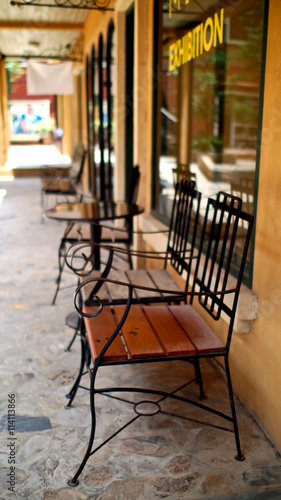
(259, 376)
(143, 43)
(255, 358)
(4, 123)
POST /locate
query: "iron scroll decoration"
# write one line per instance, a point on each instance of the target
(66, 4)
(69, 52)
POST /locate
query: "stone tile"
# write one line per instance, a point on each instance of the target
(26, 423)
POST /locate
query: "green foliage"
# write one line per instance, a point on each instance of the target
(14, 71)
(46, 126)
(202, 142)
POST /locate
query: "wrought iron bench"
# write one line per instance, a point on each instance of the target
(53, 182)
(133, 333)
(74, 232)
(179, 255)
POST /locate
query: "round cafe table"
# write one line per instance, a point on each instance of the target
(94, 213)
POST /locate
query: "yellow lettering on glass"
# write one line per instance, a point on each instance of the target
(179, 5)
(218, 28)
(201, 39)
(208, 24)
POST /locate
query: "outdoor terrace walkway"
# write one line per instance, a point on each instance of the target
(157, 457)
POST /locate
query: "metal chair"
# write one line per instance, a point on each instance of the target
(182, 171)
(110, 234)
(53, 182)
(134, 333)
(179, 255)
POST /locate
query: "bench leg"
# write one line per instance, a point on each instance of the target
(72, 393)
(61, 260)
(199, 378)
(240, 457)
(68, 349)
(74, 481)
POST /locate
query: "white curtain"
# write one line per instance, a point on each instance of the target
(49, 79)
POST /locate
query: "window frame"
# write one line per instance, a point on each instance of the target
(156, 125)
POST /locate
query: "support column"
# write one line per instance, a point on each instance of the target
(142, 91)
(4, 118)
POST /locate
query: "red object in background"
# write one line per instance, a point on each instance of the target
(18, 93)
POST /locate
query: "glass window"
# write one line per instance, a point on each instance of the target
(207, 98)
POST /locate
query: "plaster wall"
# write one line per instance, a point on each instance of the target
(258, 376)
(4, 120)
(255, 357)
(143, 49)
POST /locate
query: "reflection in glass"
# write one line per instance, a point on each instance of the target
(208, 108)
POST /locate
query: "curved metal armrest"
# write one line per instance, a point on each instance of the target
(87, 196)
(100, 281)
(82, 264)
(130, 231)
(48, 171)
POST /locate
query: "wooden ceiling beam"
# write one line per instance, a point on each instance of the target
(39, 25)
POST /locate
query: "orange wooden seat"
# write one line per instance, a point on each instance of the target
(151, 332)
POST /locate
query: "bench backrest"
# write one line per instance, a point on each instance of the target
(77, 162)
(134, 185)
(183, 227)
(221, 229)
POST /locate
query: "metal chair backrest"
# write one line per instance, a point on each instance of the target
(221, 229)
(132, 198)
(78, 162)
(134, 185)
(182, 171)
(183, 227)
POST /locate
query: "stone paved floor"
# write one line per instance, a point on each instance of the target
(156, 457)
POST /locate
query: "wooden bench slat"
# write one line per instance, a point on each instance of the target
(151, 331)
(117, 292)
(80, 231)
(142, 278)
(110, 235)
(170, 334)
(139, 337)
(99, 329)
(111, 292)
(86, 290)
(202, 336)
(164, 280)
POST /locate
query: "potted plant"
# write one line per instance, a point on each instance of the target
(45, 128)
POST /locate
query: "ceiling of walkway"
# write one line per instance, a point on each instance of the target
(40, 31)
(187, 13)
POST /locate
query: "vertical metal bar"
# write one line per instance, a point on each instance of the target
(101, 127)
(109, 172)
